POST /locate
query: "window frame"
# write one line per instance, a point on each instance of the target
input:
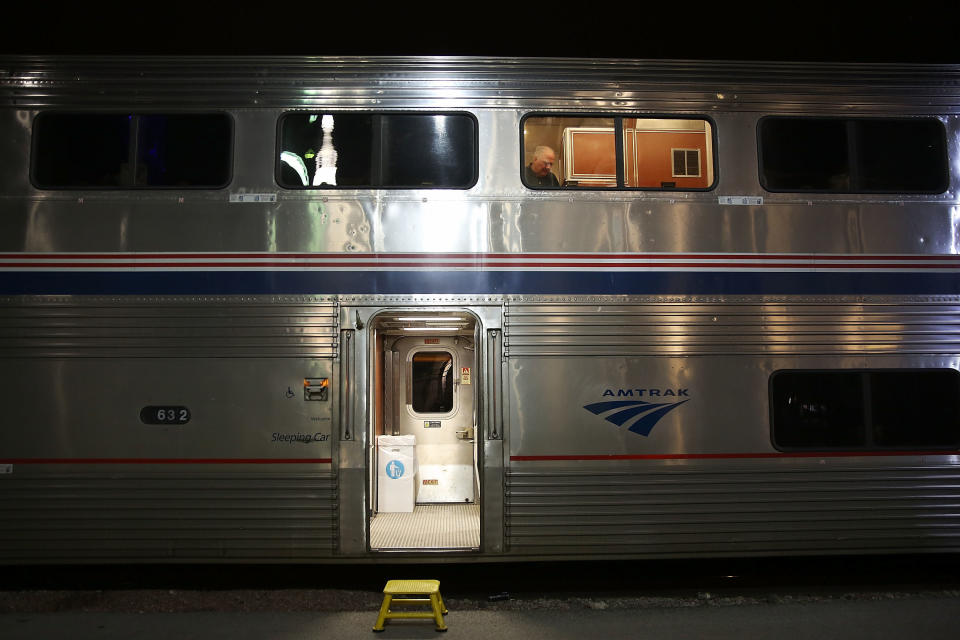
(848, 120)
(619, 160)
(454, 364)
(278, 163)
(132, 146)
(673, 163)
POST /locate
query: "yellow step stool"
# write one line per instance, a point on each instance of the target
(429, 588)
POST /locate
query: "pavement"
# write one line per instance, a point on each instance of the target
(930, 615)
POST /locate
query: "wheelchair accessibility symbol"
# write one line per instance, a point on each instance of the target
(394, 469)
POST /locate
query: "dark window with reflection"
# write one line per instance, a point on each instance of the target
(130, 151)
(397, 150)
(432, 382)
(853, 155)
(817, 409)
(871, 410)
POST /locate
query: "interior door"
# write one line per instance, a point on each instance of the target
(435, 403)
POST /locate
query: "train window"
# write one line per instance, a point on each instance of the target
(377, 150)
(817, 409)
(617, 152)
(80, 150)
(184, 150)
(870, 410)
(853, 155)
(432, 382)
(131, 151)
(916, 408)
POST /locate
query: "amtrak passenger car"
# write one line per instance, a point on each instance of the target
(454, 309)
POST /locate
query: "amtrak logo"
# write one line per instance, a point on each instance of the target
(394, 469)
(639, 416)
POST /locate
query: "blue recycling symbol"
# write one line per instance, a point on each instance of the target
(395, 469)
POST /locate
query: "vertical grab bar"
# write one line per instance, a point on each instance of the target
(494, 415)
(388, 389)
(346, 384)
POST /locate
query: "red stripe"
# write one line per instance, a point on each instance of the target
(736, 456)
(166, 461)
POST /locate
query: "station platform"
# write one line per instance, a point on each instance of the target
(874, 616)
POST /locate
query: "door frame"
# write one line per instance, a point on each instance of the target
(376, 390)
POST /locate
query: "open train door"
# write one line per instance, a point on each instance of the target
(425, 445)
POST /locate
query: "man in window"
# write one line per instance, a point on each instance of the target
(537, 173)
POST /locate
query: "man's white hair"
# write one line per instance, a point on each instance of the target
(541, 150)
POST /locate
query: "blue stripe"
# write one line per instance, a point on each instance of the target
(476, 282)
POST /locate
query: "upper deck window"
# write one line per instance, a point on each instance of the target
(617, 152)
(377, 150)
(862, 155)
(131, 151)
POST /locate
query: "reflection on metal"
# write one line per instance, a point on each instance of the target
(681, 326)
(683, 510)
(241, 513)
(169, 327)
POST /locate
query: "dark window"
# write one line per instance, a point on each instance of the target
(184, 150)
(81, 150)
(128, 151)
(853, 156)
(871, 410)
(817, 409)
(432, 385)
(350, 150)
(916, 408)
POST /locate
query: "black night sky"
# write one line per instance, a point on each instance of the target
(801, 32)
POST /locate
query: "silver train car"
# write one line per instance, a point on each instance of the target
(456, 309)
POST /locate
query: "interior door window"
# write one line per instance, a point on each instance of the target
(432, 376)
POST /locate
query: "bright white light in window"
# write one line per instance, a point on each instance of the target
(326, 160)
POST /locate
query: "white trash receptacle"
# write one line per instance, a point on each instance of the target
(396, 472)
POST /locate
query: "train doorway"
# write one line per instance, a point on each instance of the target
(423, 450)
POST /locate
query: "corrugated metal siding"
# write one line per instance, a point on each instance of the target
(208, 326)
(694, 512)
(195, 82)
(671, 327)
(196, 517)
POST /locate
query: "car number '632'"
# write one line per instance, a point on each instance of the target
(164, 415)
